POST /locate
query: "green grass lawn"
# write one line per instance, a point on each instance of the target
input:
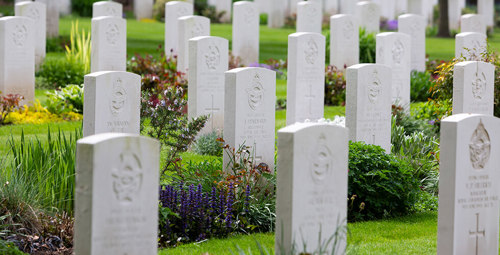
(145, 37)
(415, 234)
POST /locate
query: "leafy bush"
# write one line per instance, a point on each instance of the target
(9, 248)
(335, 86)
(204, 202)
(379, 184)
(82, 7)
(208, 144)
(8, 103)
(420, 85)
(37, 114)
(411, 124)
(164, 106)
(57, 72)
(57, 44)
(49, 166)
(65, 100)
(420, 151)
(367, 46)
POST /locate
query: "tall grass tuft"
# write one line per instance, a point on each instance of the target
(79, 50)
(49, 166)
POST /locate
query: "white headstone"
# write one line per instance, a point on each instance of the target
(107, 8)
(389, 8)
(368, 14)
(263, 5)
(344, 41)
(112, 103)
(173, 11)
(116, 195)
(189, 27)
(309, 17)
(52, 22)
(276, 16)
(471, 45)
(472, 23)
(331, 7)
(36, 11)
(311, 188)
(208, 62)
(394, 50)
(422, 7)
(454, 13)
(17, 57)
(224, 6)
(414, 26)
(468, 185)
(293, 7)
(368, 104)
(65, 7)
(487, 9)
(348, 6)
(143, 9)
(401, 6)
(249, 113)
(473, 87)
(245, 44)
(109, 44)
(306, 77)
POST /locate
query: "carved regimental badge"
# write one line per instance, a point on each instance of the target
(398, 51)
(197, 30)
(311, 13)
(110, 11)
(212, 57)
(33, 13)
(249, 15)
(182, 11)
(112, 33)
(480, 147)
(20, 35)
(320, 160)
(375, 88)
(479, 86)
(127, 177)
(311, 52)
(118, 97)
(348, 30)
(255, 92)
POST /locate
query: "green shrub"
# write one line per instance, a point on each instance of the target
(367, 47)
(57, 44)
(420, 150)
(79, 48)
(335, 86)
(48, 165)
(411, 124)
(208, 144)
(9, 248)
(159, 9)
(57, 72)
(420, 85)
(82, 7)
(380, 185)
(68, 99)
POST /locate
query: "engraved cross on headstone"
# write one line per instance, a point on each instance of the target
(477, 233)
(310, 97)
(212, 110)
(256, 156)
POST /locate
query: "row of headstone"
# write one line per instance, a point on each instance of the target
(37, 12)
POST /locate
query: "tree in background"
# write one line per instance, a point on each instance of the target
(444, 28)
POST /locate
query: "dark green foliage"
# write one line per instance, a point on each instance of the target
(82, 7)
(58, 72)
(379, 184)
(8, 248)
(164, 106)
(207, 144)
(412, 124)
(57, 44)
(335, 86)
(421, 83)
(367, 47)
